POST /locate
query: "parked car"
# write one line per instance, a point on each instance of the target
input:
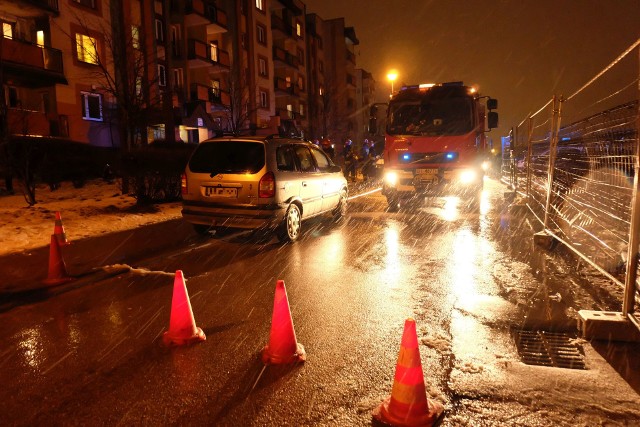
(255, 183)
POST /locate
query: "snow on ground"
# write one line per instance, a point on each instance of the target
(96, 208)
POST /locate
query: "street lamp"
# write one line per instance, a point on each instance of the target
(392, 76)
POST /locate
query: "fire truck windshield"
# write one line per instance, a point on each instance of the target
(431, 116)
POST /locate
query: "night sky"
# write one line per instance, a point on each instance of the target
(521, 52)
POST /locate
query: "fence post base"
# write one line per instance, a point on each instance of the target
(544, 240)
(607, 325)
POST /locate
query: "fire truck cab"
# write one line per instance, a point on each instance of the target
(435, 142)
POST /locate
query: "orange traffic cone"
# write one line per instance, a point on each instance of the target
(182, 325)
(58, 231)
(57, 268)
(408, 404)
(282, 347)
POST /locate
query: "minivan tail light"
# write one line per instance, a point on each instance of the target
(183, 184)
(267, 186)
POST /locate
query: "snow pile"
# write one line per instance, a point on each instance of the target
(96, 208)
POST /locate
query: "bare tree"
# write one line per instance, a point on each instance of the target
(238, 113)
(121, 75)
(334, 125)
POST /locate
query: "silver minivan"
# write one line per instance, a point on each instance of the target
(260, 183)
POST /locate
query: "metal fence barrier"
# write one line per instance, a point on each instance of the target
(576, 161)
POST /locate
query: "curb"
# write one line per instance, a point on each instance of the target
(23, 272)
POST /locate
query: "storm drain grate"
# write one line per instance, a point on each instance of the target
(544, 348)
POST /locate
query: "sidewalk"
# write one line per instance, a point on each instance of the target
(94, 216)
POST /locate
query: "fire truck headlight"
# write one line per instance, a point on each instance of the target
(468, 176)
(391, 178)
(486, 165)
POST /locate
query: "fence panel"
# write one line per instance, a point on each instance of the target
(575, 162)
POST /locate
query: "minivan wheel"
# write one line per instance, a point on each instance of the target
(290, 228)
(341, 210)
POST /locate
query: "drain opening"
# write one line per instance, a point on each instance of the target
(543, 348)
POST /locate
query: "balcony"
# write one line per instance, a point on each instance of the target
(294, 6)
(218, 21)
(209, 96)
(221, 60)
(286, 114)
(219, 97)
(282, 58)
(201, 54)
(32, 65)
(202, 12)
(200, 92)
(30, 8)
(198, 54)
(351, 57)
(28, 122)
(284, 88)
(280, 28)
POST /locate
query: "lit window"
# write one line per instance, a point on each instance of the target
(86, 49)
(162, 76)
(135, 37)
(215, 87)
(262, 66)
(260, 5)
(320, 91)
(302, 109)
(91, 106)
(298, 29)
(7, 30)
(159, 31)
(264, 99)
(178, 77)
(262, 34)
(213, 51)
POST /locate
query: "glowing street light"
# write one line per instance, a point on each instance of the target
(392, 76)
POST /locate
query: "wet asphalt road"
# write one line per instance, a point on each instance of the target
(92, 355)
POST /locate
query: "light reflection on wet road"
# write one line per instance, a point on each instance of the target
(93, 352)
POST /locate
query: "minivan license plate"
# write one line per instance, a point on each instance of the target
(220, 192)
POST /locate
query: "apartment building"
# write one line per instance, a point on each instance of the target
(317, 120)
(31, 69)
(114, 72)
(365, 98)
(340, 80)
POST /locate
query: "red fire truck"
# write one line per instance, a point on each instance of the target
(435, 142)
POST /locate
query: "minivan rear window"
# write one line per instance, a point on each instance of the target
(228, 157)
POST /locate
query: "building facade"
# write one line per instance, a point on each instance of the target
(116, 72)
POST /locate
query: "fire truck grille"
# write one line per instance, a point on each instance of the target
(436, 157)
